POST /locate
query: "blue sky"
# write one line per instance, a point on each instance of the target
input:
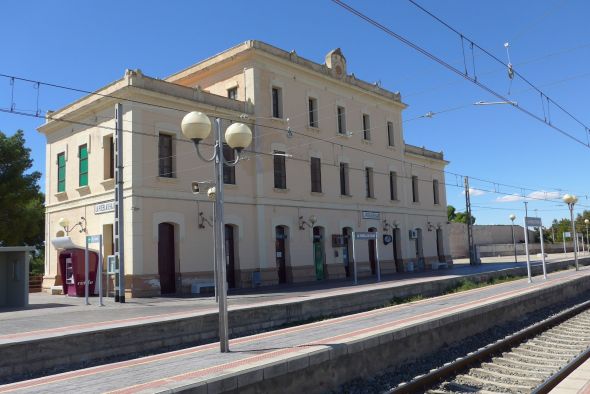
(89, 44)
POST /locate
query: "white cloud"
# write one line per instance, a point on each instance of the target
(536, 195)
(510, 198)
(474, 192)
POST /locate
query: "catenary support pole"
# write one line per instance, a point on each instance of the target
(377, 257)
(526, 243)
(354, 256)
(119, 228)
(543, 253)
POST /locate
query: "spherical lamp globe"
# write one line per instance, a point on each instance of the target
(196, 126)
(587, 221)
(63, 222)
(512, 217)
(238, 136)
(570, 199)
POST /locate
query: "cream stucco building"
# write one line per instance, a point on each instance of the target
(328, 158)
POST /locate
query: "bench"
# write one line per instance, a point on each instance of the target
(197, 286)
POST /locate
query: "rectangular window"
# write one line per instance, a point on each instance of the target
(280, 170)
(277, 102)
(369, 182)
(165, 156)
(108, 145)
(366, 127)
(313, 112)
(344, 185)
(393, 185)
(415, 196)
(83, 165)
(390, 134)
(341, 114)
(316, 175)
(232, 93)
(61, 172)
(229, 172)
(435, 191)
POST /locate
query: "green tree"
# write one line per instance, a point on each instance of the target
(450, 213)
(22, 218)
(458, 217)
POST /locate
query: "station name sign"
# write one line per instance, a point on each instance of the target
(365, 235)
(532, 222)
(104, 207)
(371, 215)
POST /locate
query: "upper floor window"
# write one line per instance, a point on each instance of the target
(435, 191)
(366, 127)
(390, 134)
(393, 185)
(280, 170)
(369, 182)
(316, 175)
(232, 93)
(415, 196)
(165, 156)
(313, 112)
(61, 172)
(341, 115)
(277, 102)
(108, 144)
(344, 183)
(229, 172)
(83, 165)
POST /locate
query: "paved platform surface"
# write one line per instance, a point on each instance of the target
(50, 315)
(578, 382)
(255, 357)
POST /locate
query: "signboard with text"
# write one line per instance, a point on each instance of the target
(532, 222)
(104, 207)
(371, 215)
(365, 235)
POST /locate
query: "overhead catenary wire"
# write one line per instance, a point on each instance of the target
(462, 74)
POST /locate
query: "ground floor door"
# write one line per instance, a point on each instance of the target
(372, 255)
(280, 237)
(230, 261)
(318, 252)
(346, 252)
(419, 250)
(440, 251)
(397, 257)
(166, 258)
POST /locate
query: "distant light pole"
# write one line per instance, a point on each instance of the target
(587, 221)
(512, 217)
(197, 126)
(571, 200)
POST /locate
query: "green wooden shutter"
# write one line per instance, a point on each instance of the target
(61, 172)
(83, 156)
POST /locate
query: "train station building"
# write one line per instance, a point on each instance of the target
(328, 158)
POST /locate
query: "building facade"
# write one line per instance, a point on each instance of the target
(327, 158)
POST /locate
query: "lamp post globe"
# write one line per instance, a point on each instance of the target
(569, 199)
(587, 221)
(512, 217)
(238, 136)
(196, 126)
(63, 222)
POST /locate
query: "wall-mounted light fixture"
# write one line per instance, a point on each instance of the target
(203, 220)
(386, 225)
(310, 222)
(63, 222)
(430, 226)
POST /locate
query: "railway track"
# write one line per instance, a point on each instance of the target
(533, 360)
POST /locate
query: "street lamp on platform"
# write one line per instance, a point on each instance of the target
(512, 217)
(587, 221)
(571, 200)
(197, 126)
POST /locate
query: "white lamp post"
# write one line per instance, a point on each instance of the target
(587, 221)
(197, 126)
(512, 217)
(571, 200)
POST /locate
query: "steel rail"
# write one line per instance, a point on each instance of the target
(435, 376)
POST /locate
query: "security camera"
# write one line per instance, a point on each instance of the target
(211, 193)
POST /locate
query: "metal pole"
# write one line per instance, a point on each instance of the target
(86, 272)
(472, 259)
(587, 239)
(354, 257)
(526, 243)
(100, 303)
(563, 239)
(543, 253)
(514, 243)
(571, 207)
(220, 234)
(377, 256)
(120, 235)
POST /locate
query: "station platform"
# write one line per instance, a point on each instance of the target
(578, 382)
(260, 359)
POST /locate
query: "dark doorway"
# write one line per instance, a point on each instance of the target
(419, 250)
(372, 255)
(166, 258)
(440, 251)
(230, 261)
(346, 251)
(318, 252)
(397, 248)
(280, 249)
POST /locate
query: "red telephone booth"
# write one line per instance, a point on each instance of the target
(71, 265)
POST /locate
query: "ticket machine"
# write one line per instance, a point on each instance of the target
(71, 265)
